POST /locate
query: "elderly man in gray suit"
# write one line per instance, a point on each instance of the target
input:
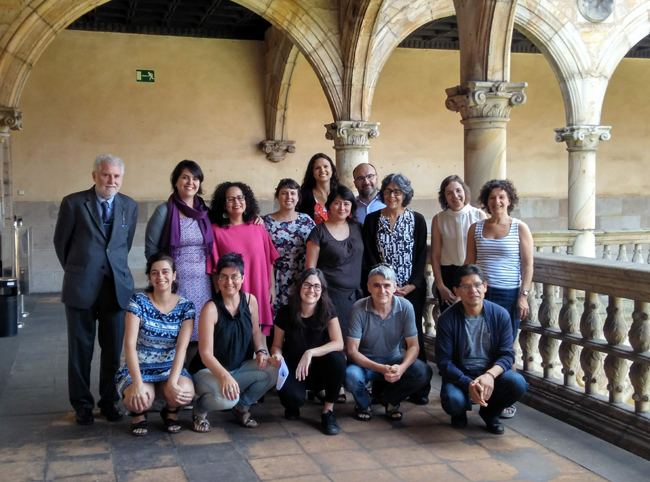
(93, 236)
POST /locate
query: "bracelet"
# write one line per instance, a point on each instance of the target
(490, 373)
(262, 351)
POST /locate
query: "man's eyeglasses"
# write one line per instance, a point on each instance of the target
(369, 177)
(476, 286)
(240, 198)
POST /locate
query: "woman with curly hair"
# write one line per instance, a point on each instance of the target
(319, 181)
(233, 212)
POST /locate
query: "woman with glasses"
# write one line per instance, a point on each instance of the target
(233, 212)
(319, 181)
(397, 236)
(308, 336)
(226, 376)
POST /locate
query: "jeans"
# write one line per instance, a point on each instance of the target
(507, 299)
(509, 387)
(253, 384)
(414, 378)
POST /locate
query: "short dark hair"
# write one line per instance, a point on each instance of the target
(191, 166)
(468, 270)
(231, 260)
(289, 183)
(346, 194)
(504, 184)
(404, 185)
(154, 258)
(309, 181)
(442, 199)
(218, 203)
(324, 309)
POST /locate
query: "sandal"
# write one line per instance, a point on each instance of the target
(201, 424)
(342, 398)
(394, 415)
(172, 425)
(142, 425)
(363, 414)
(508, 412)
(244, 421)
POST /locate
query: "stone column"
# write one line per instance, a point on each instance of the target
(10, 119)
(582, 143)
(485, 110)
(351, 142)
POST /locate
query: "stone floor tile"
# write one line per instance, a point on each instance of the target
(73, 448)
(326, 443)
(230, 471)
(304, 426)
(272, 468)
(457, 451)
(306, 478)
(346, 461)
(505, 444)
(363, 476)
(89, 478)
(14, 471)
(382, 439)
(417, 418)
(23, 453)
(428, 473)
(80, 466)
(141, 453)
(272, 447)
(404, 456)
(485, 470)
(585, 477)
(350, 424)
(433, 434)
(264, 430)
(203, 454)
(189, 437)
(168, 474)
(564, 465)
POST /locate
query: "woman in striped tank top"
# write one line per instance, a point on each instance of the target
(502, 247)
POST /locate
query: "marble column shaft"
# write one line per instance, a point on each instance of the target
(10, 119)
(351, 143)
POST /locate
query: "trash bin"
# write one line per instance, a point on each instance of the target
(8, 307)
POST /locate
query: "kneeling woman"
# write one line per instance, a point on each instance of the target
(309, 337)
(158, 327)
(225, 373)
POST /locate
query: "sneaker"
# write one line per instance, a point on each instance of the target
(330, 427)
(494, 427)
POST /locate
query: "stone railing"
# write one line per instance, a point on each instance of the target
(592, 370)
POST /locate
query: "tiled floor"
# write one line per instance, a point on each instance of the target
(39, 440)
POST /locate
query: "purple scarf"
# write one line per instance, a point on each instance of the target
(171, 235)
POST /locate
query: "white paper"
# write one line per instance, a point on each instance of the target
(283, 373)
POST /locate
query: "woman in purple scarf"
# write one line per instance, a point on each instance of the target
(181, 229)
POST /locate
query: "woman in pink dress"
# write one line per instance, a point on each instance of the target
(233, 212)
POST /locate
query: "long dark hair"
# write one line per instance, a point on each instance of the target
(154, 258)
(218, 203)
(324, 308)
(309, 181)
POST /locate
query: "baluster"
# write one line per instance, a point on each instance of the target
(615, 330)
(569, 250)
(569, 321)
(622, 253)
(590, 328)
(556, 249)
(607, 252)
(548, 318)
(528, 340)
(639, 337)
(429, 321)
(638, 254)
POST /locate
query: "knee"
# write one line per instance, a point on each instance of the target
(336, 361)
(453, 399)
(354, 378)
(514, 383)
(421, 370)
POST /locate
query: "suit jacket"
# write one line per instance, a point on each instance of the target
(86, 254)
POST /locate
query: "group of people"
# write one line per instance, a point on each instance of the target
(333, 283)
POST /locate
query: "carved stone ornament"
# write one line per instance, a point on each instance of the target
(596, 10)
(492, 100)
(276, 151)
(352, 134)
(582, 138)
(10, 119)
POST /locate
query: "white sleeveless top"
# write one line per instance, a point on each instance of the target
(453, 227)
(499, 258)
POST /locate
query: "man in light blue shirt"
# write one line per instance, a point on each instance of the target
(366, 181)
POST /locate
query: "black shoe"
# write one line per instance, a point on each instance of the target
(111, 412)
(460, 421)
(494, 427)
(292, 413)
(330, 427)
(417, 400)
(84, 416)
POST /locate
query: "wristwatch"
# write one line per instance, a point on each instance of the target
(262, 351)
(525, 292)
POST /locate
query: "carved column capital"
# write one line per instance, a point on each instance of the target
(582, 138)
(352, 134)
(276, 151)
(485, 100)
(10, 119)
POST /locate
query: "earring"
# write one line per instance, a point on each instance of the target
(225, 215)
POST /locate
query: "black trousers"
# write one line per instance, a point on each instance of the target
(417, 300)
(326, 372)
(106, 319)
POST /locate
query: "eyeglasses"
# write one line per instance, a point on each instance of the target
(476, 286)
(240, 198)
(232, 277)
(308, 286)
(394, 192)
(368, 177)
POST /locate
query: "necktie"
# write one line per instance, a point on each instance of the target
(105, 218)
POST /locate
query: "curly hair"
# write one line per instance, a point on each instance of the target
(154, 258)
(346, 194)
(309, 181)
(218, 203)
(442, 199)
(404, 185)
(324, 308)
(504, 184)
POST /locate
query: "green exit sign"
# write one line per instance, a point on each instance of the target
(142, 75)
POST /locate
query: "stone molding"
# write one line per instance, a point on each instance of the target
(352, 134)
(10, 119)
(485, 100)
(582, 138)
(276, 151)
